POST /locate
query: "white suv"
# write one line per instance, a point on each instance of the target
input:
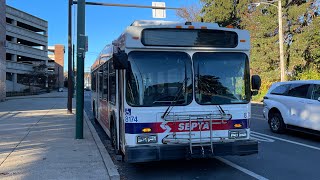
(293, 105)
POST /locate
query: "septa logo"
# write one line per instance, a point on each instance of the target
(194, 126)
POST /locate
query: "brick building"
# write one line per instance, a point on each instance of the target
(56, 63)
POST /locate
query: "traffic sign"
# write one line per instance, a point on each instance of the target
(159, 13)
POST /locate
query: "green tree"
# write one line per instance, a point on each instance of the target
(301, 22)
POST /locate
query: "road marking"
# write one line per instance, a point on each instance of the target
(260, 138)
(244, 170)
(285, 140)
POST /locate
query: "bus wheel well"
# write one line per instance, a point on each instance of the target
(94, 112)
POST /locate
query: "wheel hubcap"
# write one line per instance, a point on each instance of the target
(275, 123)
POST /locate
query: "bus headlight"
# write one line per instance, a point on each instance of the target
(145, 139)
(233, 134)
(237, 134)
(242, 134)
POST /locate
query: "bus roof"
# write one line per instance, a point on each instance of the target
(131, 38)
(171, 23)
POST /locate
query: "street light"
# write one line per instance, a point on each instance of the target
(279, 7)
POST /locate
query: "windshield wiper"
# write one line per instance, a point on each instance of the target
(223, 113)
(176, 97)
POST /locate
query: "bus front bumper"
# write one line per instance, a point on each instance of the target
(146, 153)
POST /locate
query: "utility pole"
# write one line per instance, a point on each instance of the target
(281, 55)
(70, 83)
(282, 66)
(73, 71)
(80, 67)
(81, 40)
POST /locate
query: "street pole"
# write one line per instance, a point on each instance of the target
(70, 84)
(73, 71)
(126, 5)
(58, 77)
(80, 67)
(282, 66)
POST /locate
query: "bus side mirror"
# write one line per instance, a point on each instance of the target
(255, 82)
(120, 60)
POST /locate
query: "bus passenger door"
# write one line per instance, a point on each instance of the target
(120, 103)
(99, 92)
(104, 102)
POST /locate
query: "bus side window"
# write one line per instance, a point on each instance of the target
(100, 79)
(105, 81)
(112, 83)
(93, 81)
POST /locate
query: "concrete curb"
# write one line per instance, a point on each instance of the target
(111, 168)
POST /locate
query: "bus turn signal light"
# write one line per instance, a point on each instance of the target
(237, 125)
(146, 130)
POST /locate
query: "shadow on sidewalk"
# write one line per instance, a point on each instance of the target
(37, 142)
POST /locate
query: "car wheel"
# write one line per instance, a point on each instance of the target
(276, 123)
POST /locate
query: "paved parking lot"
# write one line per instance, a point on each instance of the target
(281, 156)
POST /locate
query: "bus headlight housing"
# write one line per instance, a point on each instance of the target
(145, 139)
(237, 134)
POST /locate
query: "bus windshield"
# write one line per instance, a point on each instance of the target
(159, 78)
(221, 78)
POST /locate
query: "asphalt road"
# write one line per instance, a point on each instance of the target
(281, 156)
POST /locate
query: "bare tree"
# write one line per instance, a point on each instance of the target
(191, 12)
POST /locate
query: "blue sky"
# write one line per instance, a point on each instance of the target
(103, 24)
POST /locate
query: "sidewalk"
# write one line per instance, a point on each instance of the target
(37, 142)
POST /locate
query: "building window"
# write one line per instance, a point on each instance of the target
(9, 38)
(9, 20)
(9, 76)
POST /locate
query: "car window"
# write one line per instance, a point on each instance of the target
(315, 92)
(280, 90)
(298, 90)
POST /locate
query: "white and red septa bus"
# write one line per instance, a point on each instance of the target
(170, 90)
